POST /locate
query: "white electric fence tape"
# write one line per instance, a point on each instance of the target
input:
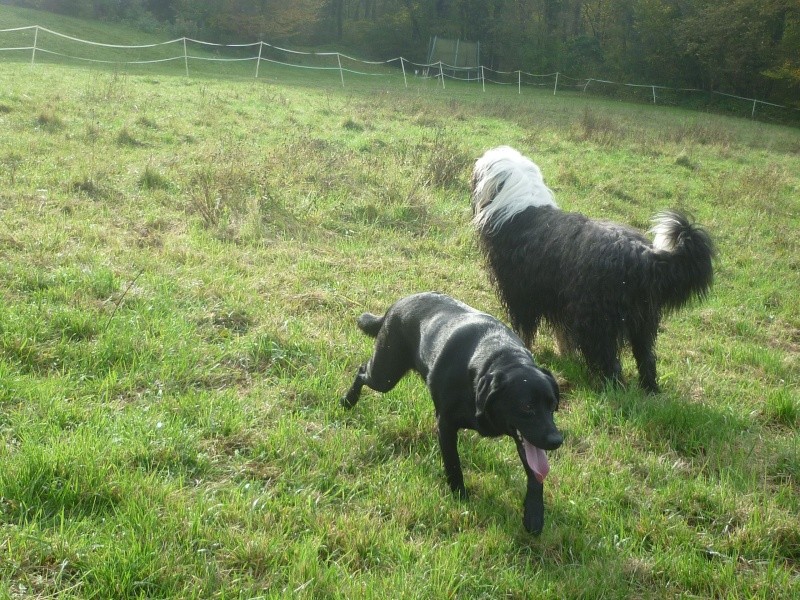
(436, 70)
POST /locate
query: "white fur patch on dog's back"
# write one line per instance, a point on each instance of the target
(505, 183)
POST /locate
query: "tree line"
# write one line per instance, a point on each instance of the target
(745, 47)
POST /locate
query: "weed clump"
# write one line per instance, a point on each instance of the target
(49, 121)
(446, 162)
(126, 138)
(683, 160)
(352, 125)
(598, 128)
(782, 409)
(12, 162)
(88, 186)
(147, 122)
(151, 179)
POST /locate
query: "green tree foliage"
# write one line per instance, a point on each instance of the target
(738, 46)
(737, 42)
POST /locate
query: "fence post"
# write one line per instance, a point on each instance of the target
(555, 87)
(258, 60)
(35, 40)
(753, 113)
(441, 73)
(185, 57)
(483, 79)
(519, 82)
(403, 66)
(654, 94)
(588, 81)
(341, 73)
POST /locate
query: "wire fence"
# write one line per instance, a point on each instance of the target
(39, 44)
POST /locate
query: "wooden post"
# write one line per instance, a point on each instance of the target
(35, 40)
(555, 87)
(185, 57)
(258, 60)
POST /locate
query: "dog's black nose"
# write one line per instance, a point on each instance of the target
(554, 440)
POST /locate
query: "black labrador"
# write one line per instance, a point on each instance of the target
(480, 376)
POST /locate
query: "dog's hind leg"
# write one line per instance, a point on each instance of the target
(352, 395)
(602, 356)
(642, 343)
(526, 327)
(564, 341)
(381, 373)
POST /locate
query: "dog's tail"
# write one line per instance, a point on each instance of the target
(684, 259)
(370, 324)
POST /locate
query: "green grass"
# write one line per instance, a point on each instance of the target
(183, 260)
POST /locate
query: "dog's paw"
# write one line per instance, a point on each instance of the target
(650, 387)
(460, 492)
(533, 523)
(349, 400)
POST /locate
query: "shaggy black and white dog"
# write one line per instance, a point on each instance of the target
(598, 284)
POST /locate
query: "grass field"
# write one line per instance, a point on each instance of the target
(182, 264)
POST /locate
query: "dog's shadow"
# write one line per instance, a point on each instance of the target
(668, 422)
(689, 428)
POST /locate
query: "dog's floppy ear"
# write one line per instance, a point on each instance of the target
(553, 384)
(488, 386)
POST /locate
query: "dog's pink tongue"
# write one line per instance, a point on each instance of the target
(537, 460)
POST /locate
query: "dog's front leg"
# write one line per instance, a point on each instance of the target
(533, 514)
(448, 444)
(533, 517)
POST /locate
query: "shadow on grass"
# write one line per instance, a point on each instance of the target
(719, 439)
(691, 429)
(44, 487)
